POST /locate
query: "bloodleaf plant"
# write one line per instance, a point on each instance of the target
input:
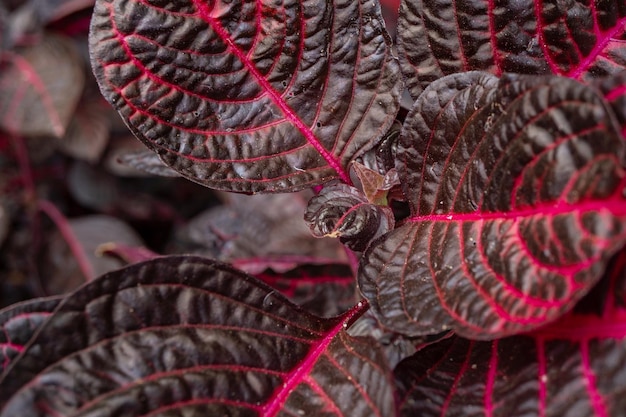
(487, 220)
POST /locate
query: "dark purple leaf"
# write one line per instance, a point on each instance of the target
(18, 323)
(40, 86)
(60, 262)
(249, 96)
(88, 132)
(614, 90)
(341, 211)
(581, 40)
(262, 228)
(148, 162)
(189, 336)
(574, 367)
(324, 290)
(516, 191)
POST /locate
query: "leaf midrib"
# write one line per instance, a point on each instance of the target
(288, 112)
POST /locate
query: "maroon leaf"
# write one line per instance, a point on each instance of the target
(219, 343)
(614, 91)
(516, 191)
(343, 212)
(41, 86)
(324, 290)
(18, 323)
(148, 162)
(87, 134)
(574, 367)
(249, 96)
(581, 40)
(258, 231)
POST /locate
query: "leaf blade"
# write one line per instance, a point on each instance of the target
(220, 341)
(248, 105)
(507, 231)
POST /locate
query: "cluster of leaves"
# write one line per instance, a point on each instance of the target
(488, 220)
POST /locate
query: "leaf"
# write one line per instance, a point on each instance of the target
(263, 229)
(324, 290)
(614, 90)
(574, 367)
(87, 134)
(220, 343)
(63, 270)
(249, 96)
(343, 212)
(516, 189)
(41, 86)
(18, 323)
(581, 40)
(148, 162)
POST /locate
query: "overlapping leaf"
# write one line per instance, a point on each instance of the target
(190, 336)
(577, 39)
(574, 367)
(249, 96)
(342, 211)
(324, 290)
(516, 190)
(18, 323)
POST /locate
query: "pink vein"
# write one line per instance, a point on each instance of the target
(596, 399)
(497, 60)
(615, 206)
(597, 49)
(457, 379)
(276, 402)
(491, 379)
(542, 40)
(276, 98)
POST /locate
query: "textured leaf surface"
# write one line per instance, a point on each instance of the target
(343, 212)
(18, 323)
(41, 86)
(574, 367)
(573, 38)
(249, 96)
(516, 190)
(188, 336)
(324, 290)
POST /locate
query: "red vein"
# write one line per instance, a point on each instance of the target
(594, 396)
(615, 206)
(577, 72)
(457, 380)
(543, 44)
(491, 379)
(276, 98)
(497, 60)
(277, 401)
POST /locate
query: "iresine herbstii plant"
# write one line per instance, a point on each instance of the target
(488, 221)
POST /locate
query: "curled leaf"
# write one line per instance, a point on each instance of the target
(343, 212)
